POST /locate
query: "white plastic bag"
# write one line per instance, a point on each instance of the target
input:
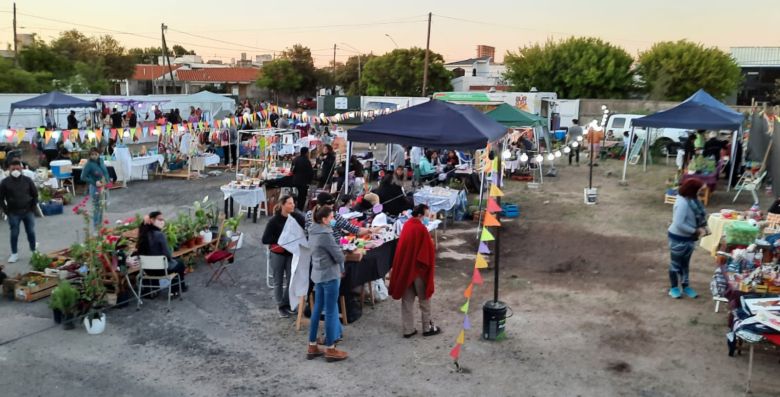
(380, 289)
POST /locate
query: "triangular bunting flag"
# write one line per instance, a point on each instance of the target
(455, 352)
(99, 135)
(136, 132)
(486, 236)
(46, 136)
(477, 277)
(467, 292)
(483, 248)
(490, 220)
(492, 206)
(461, 337)
(466, 322)
(495, 191)
(481, 262)
(465, 307)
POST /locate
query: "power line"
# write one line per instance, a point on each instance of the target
(221, 41)
(390, 22)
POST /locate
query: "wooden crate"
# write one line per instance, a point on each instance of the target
(25, 293)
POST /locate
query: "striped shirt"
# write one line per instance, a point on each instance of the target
(338, 230)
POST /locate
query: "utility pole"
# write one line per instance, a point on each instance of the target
(334, 69)
(427, 52)
(16, 41)
(359, 55)
(165, 58)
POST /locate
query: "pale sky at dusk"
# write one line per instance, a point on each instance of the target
(262, 27)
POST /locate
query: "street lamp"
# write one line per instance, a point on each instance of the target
(391, 39)
(360, 53)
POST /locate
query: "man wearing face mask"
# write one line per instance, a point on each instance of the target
(18, 198)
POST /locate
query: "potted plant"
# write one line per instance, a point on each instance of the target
(64, 299)
(96, 251)
(172, 234)
(39, 262)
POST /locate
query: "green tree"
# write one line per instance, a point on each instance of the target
(301, 60)
(89, 78)
(13, 79)
(347, 77)
(674, 70)
(280, 76)
(75, 46)
(181, 51)
(325, 75)
(145, 55)
(118, 64)
(400, 73)
(40, 57)
(578, 67)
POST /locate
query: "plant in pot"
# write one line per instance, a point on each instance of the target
(64, 299)
(39, 262)
(171, 232)
(93, 293)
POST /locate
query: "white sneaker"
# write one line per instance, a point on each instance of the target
(13, 258)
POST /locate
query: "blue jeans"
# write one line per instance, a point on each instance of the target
(679, 266)
(97, 207)
(327, 297)
(29, 227)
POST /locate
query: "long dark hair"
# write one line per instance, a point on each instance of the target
(145, 231)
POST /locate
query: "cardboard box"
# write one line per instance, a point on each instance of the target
(29, 293)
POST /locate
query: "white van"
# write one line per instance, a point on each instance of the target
(667, 139)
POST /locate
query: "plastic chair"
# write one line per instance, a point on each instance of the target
(157, 263)
(63, 172)
(750, 184)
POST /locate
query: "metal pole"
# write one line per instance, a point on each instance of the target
(427, 52)
(359, 67)
(628, 154)
(16, 42)
(334, 69)
(647, 147)
(497, 254)
(346, 168)
(733, 158)
(590, 172)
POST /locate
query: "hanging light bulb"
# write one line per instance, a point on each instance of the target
(539, 158)
(575, 144)
(557, 153)
(56, 134)
(506, 154)
(579, 139)
(126, 134)
(550, 157)
(567, 150)
(91, 135)
(524, 157)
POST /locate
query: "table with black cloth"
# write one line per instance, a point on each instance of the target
(374, 265)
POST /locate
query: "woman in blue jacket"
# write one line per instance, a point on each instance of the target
(689, 222)
(95, 174)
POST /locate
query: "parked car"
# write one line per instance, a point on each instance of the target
(307, 103)
(668, 140)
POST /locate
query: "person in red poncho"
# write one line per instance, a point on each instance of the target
(412, 272)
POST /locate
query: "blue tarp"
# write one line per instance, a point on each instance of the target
(699, 112)
(52, 100)
(433, 124)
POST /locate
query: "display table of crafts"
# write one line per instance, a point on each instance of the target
(246, 194)
(437, 199)
(200, 162)
(129, 168)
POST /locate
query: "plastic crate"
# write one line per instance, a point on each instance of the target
(51, 208)
(510, 210)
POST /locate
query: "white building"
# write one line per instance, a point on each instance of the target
(478, 74)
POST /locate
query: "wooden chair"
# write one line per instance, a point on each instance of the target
(157, 263)
(342, 310)
(219, 259)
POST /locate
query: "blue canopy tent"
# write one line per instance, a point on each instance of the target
(52, 100)
(433, 124)
(700, 112)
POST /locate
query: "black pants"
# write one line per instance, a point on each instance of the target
(303, 192)
(573, 152)
(230, 153)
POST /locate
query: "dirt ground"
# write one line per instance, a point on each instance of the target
(586, 285)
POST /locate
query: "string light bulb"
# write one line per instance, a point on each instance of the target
(550, 157)
(539, 158)
(575, 144)
(567, 150)
(506, 154)
(557, 153)
(524, 157)
(579, 139)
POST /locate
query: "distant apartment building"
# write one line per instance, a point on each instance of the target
(760, 74)
(480, 73)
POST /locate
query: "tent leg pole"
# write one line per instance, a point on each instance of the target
(627, 155)
(733, 158)
(346, 168)
(646, 152)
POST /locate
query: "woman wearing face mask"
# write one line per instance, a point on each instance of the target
(281, 259)
(95, 174)
(327, 267)
(152, 242)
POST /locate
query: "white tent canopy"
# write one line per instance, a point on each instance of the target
(207, 101)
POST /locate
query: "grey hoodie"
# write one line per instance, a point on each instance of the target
(327, 259)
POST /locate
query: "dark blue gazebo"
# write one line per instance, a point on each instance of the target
(433, 124)
(699, 112)
(52, 100)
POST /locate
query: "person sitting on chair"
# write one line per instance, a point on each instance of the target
(427, 171)
(152, 242)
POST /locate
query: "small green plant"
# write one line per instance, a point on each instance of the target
(64, 298)
(77, 252)
(45, 195)
(172, 233)
(232, 223)
(39, 262)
